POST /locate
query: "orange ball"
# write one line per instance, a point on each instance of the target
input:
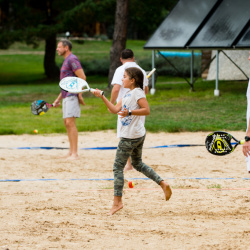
(35, 131)
(131, 184)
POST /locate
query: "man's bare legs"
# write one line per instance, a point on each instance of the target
(73, 137)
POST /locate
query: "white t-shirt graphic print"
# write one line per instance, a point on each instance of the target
(132, 126)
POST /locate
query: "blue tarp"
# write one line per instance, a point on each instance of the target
(178, 54)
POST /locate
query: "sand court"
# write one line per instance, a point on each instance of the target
(51, 203)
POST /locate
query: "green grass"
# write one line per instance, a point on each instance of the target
(23, 64)
(21, 68)
(214, 186)
(16, 117)
(173, 107)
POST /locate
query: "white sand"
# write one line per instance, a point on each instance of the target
(71, 211)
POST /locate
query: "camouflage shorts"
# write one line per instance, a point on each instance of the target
(125, 149)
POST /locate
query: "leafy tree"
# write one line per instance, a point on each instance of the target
(84, 16)
(32, 21)
(142, 15)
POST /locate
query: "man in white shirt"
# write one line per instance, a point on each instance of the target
(246, 145)
(128, 60)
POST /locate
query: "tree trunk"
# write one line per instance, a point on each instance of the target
(119, 36)
(50, 67)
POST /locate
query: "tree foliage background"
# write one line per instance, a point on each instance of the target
(32, 21)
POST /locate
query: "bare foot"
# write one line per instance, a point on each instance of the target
(63, 156)
(128, 167)
(73, 157)
(115, 208)
(117, 205)
(166, 189)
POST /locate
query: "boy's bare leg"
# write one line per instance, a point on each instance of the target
(117, 205)
(166, 189)
(129, 165)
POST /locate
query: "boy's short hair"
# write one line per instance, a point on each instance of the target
(66, 42)
(127, 54)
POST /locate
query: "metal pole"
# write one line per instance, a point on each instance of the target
(152, 91)
(216, 91)
(192, 70)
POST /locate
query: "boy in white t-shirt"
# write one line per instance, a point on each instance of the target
(128, 60)
(133, 105)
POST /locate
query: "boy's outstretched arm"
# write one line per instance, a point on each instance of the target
(113, 108)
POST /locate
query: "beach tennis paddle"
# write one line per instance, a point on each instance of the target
(75, 85)
(40, 107)
(219, 143)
